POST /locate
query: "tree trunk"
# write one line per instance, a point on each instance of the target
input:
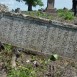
(29, 7)
(72, 5)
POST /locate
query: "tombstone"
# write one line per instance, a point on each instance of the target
(50, 6)
(3, 8)
(17, 10)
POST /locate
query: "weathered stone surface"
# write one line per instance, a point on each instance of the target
(39, 34)
(17, 10)
(3, 8)
(50, 6)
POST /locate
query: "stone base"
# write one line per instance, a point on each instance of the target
(50, 10)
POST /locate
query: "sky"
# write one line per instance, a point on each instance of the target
(13, 4)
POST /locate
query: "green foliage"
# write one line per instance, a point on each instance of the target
(31, 3)
(60, 10)
(68, 16)
(65, 14)
(21, 72)
(54, 57)
(8, 47)
(34, 2)
(39, 14)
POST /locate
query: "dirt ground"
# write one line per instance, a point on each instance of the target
(63, 67)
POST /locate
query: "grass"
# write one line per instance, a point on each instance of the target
(22, 72)
(39, 14)
(8, 48)
(28, 69)
(65, 15)
(24, 69)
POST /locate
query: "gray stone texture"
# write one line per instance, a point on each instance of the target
(39, 34)
(50, 4)
(3, 8)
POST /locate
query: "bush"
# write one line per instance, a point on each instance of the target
(65, 14)
(68, 16)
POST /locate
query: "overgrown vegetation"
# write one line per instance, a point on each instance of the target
(29, 69)
(60, 14)
(38, 14)
(8, 48)
(28, 65)
(65, 14)
(23, 68)
(31, 3)
(22, 72)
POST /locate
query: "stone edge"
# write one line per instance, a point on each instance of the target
(40, 20)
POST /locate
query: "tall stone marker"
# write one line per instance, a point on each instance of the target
(50, 6)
